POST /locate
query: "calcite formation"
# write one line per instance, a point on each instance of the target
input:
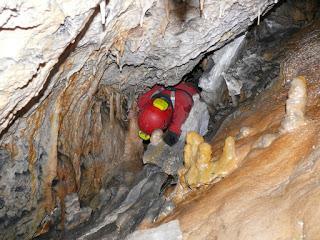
(199, 168)
(265, 140)
(213, 83)
(245, 132)
(295, 105)
(197, 161)
(133, 151)
(228, 160)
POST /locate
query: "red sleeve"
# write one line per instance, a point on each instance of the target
(188, 87)
(145, 98)
(182, 108)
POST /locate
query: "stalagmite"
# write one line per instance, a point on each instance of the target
(133, 150)
(199, 168)
(265, 140)
(51, 167)
(204, 163)
(244, 132)
(156, 137)
(197, 159)
(295, 105)
(228, 160)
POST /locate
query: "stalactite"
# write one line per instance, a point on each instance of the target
(259, 15)
(51, 167)
(167, 8)
(118, 108)
(201, 3)
(111, 108)
(221, 8)
(103, 11)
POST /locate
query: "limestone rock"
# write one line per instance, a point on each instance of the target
(33, 38)
(100, 200)
(59, 24)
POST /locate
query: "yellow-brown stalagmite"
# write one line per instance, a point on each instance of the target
(199, 168)
(228, 160)
(295, 105)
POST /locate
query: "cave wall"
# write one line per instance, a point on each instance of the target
(66, 79)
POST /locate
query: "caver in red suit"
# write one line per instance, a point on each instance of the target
(165, 108)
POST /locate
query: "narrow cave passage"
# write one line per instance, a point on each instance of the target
(72, 164)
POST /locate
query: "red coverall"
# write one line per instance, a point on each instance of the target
(182, 104)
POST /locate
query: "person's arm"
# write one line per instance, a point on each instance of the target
(173, 133)
(180, 114)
